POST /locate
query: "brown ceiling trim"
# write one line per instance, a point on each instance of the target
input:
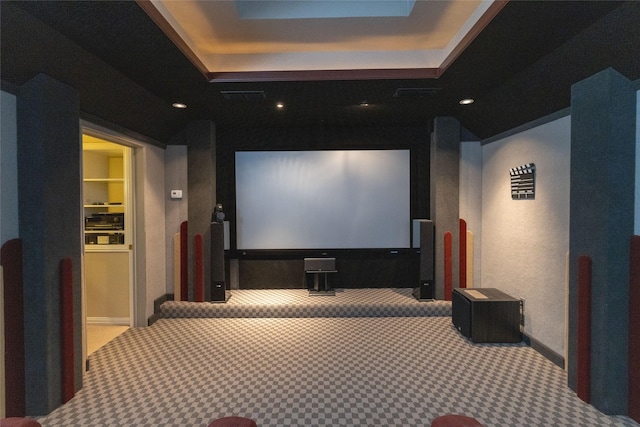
(477, 28)
(162, 23)
(319, 75)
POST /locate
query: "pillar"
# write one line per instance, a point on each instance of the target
(200, 138)
(602, 219)
(49, 188)
(444, 193)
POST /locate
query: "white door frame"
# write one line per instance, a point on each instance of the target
(136, 317)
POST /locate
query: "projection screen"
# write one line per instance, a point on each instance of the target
(337, 199)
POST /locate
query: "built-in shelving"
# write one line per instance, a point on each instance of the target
(105, 192)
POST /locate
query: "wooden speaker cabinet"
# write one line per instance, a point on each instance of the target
(486, 315)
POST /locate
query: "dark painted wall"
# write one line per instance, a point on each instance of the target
(603, 144)
(50, 227)
(29, 46)
(200, 138)
(357, 268)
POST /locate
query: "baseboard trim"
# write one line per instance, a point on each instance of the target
(108, 321)
(544, 350)
(153, 318)
(156, 308)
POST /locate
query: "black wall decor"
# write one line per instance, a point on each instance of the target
(523, 181)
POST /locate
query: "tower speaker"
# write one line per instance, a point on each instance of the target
(217, 289)
(426, 279)
(218, 292)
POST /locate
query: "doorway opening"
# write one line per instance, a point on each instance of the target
(108, 267)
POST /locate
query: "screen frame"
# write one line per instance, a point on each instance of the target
(338, 175)
(230, 140)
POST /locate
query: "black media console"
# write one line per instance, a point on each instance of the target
(486, 315)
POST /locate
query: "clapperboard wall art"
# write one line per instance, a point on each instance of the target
(523, 181)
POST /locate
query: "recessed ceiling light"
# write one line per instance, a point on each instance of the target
(280, 105)
(179, 105)
(467, 101)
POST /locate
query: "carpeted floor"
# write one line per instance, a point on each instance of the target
(373, 302)
(362, 371)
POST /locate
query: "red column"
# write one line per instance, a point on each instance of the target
(448, 265)
(463, 253)
(634, 330)
(583, 388)
(66, 324)
(199, 269)
(184, 262)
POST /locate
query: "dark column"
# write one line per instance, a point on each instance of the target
(602, 216)
(444, 193)
(200, 139)
(50, 228)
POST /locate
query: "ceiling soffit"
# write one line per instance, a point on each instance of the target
(224, 46)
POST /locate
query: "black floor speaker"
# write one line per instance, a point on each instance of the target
(425, 291)
(217, 291)
(426, 279)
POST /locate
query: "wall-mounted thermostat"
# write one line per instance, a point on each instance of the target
(176, 194)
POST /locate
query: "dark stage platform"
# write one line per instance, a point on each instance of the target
(378, 302)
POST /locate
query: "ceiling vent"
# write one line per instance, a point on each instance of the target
(243, 95)
(415, 92)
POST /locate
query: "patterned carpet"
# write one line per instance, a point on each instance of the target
(361, 371)
(379, 302)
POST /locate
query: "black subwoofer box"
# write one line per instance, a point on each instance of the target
(486, 315)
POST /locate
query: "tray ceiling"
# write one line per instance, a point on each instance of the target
(241, 38)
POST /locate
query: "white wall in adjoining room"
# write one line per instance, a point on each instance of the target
(525, 242)
(471, 200)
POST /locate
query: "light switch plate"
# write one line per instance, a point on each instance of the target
(176, 194)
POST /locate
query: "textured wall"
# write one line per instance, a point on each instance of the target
(471, 199)
(50, 227)
(444, 194)
(175, 167)
(8, 168)
(603, 142)
(524, 242)
(200, 138)
(154, 223)
(637, 197)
